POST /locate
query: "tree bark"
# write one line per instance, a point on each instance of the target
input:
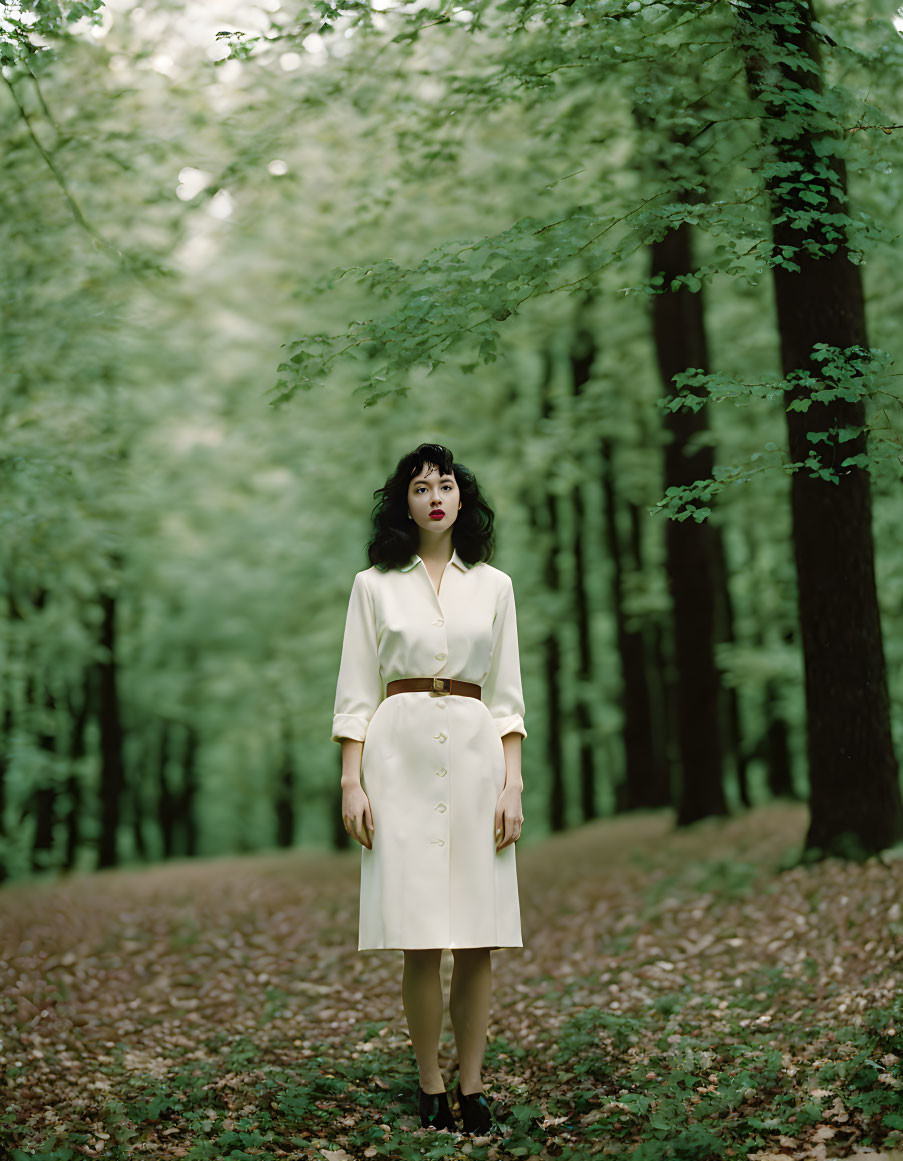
(189, 796)
(582, 354)
(44, 797)
(544, 515)
(137, 810)
(731, 716)
(641, 786)
(552, 666)
(78, 721)
(285, 793)
(855, 805)
(658, 687)
(658, 647)
(41, 801)
(111, 765)
(777, 747)
(166, 799)
(680, 343)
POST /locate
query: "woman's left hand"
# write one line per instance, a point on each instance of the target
(509, 817)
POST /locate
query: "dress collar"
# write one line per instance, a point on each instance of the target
(455, 560)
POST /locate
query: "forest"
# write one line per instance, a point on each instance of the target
(637, 272)
(637, 264)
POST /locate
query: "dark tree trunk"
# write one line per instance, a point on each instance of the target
(285, 793)
(641, 786)
(41, 804)
(583, 352)
(660, 650)
(658, 688)
(189, 797)
(545, 521)
(777, 747)
(724, 632)
(136, 793)
(854, 784)
(680, 343)
(43, 799)
(552, 664)
(78, 718)
(111, 766)
(543, 516)
(166, 799)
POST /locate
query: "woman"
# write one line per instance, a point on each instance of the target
(429, 712)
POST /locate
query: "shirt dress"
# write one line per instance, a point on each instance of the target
(433, 766)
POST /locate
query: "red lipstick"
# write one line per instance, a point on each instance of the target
(437, 514)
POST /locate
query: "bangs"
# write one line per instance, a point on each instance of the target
(432, 455)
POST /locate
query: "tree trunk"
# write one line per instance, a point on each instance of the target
(544, 515)
(680, 343)
(43, 797)
(583, 352)
(43, 805)
(777, 747)
(189, 796)
(136, 796)
(663, 692)
(552, 665)
(78, 722)
(285, 793)
(166, 799)
(41, 802)
(658, 689)
(111, 765)
(641, 786)
(855, 800)
(731, 716)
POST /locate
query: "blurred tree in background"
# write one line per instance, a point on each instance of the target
(621, 257)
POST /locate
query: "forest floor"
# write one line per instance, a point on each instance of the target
(679, 995)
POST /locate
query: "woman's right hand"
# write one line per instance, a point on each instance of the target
(357, 815)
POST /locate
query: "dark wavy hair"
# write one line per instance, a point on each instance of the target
(395, 538)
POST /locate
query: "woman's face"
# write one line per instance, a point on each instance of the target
(433, 500)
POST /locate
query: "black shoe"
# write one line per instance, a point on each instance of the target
(475, 1112)
(434, 1110)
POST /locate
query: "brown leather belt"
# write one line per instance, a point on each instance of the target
(434, 685)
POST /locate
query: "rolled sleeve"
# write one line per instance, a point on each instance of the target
(502, 691)
(359, 688)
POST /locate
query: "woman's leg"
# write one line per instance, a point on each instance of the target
(421, 992)
(471, 990)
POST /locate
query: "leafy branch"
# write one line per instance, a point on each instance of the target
(845, 376)
(17, 48)
(58, 175)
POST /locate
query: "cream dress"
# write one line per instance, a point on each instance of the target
(433, 766)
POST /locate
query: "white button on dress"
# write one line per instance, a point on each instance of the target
(433, 877)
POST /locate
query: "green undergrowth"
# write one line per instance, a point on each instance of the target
(630, 1086)
(697, 1099)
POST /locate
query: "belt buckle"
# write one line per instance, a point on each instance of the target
(440, 685)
